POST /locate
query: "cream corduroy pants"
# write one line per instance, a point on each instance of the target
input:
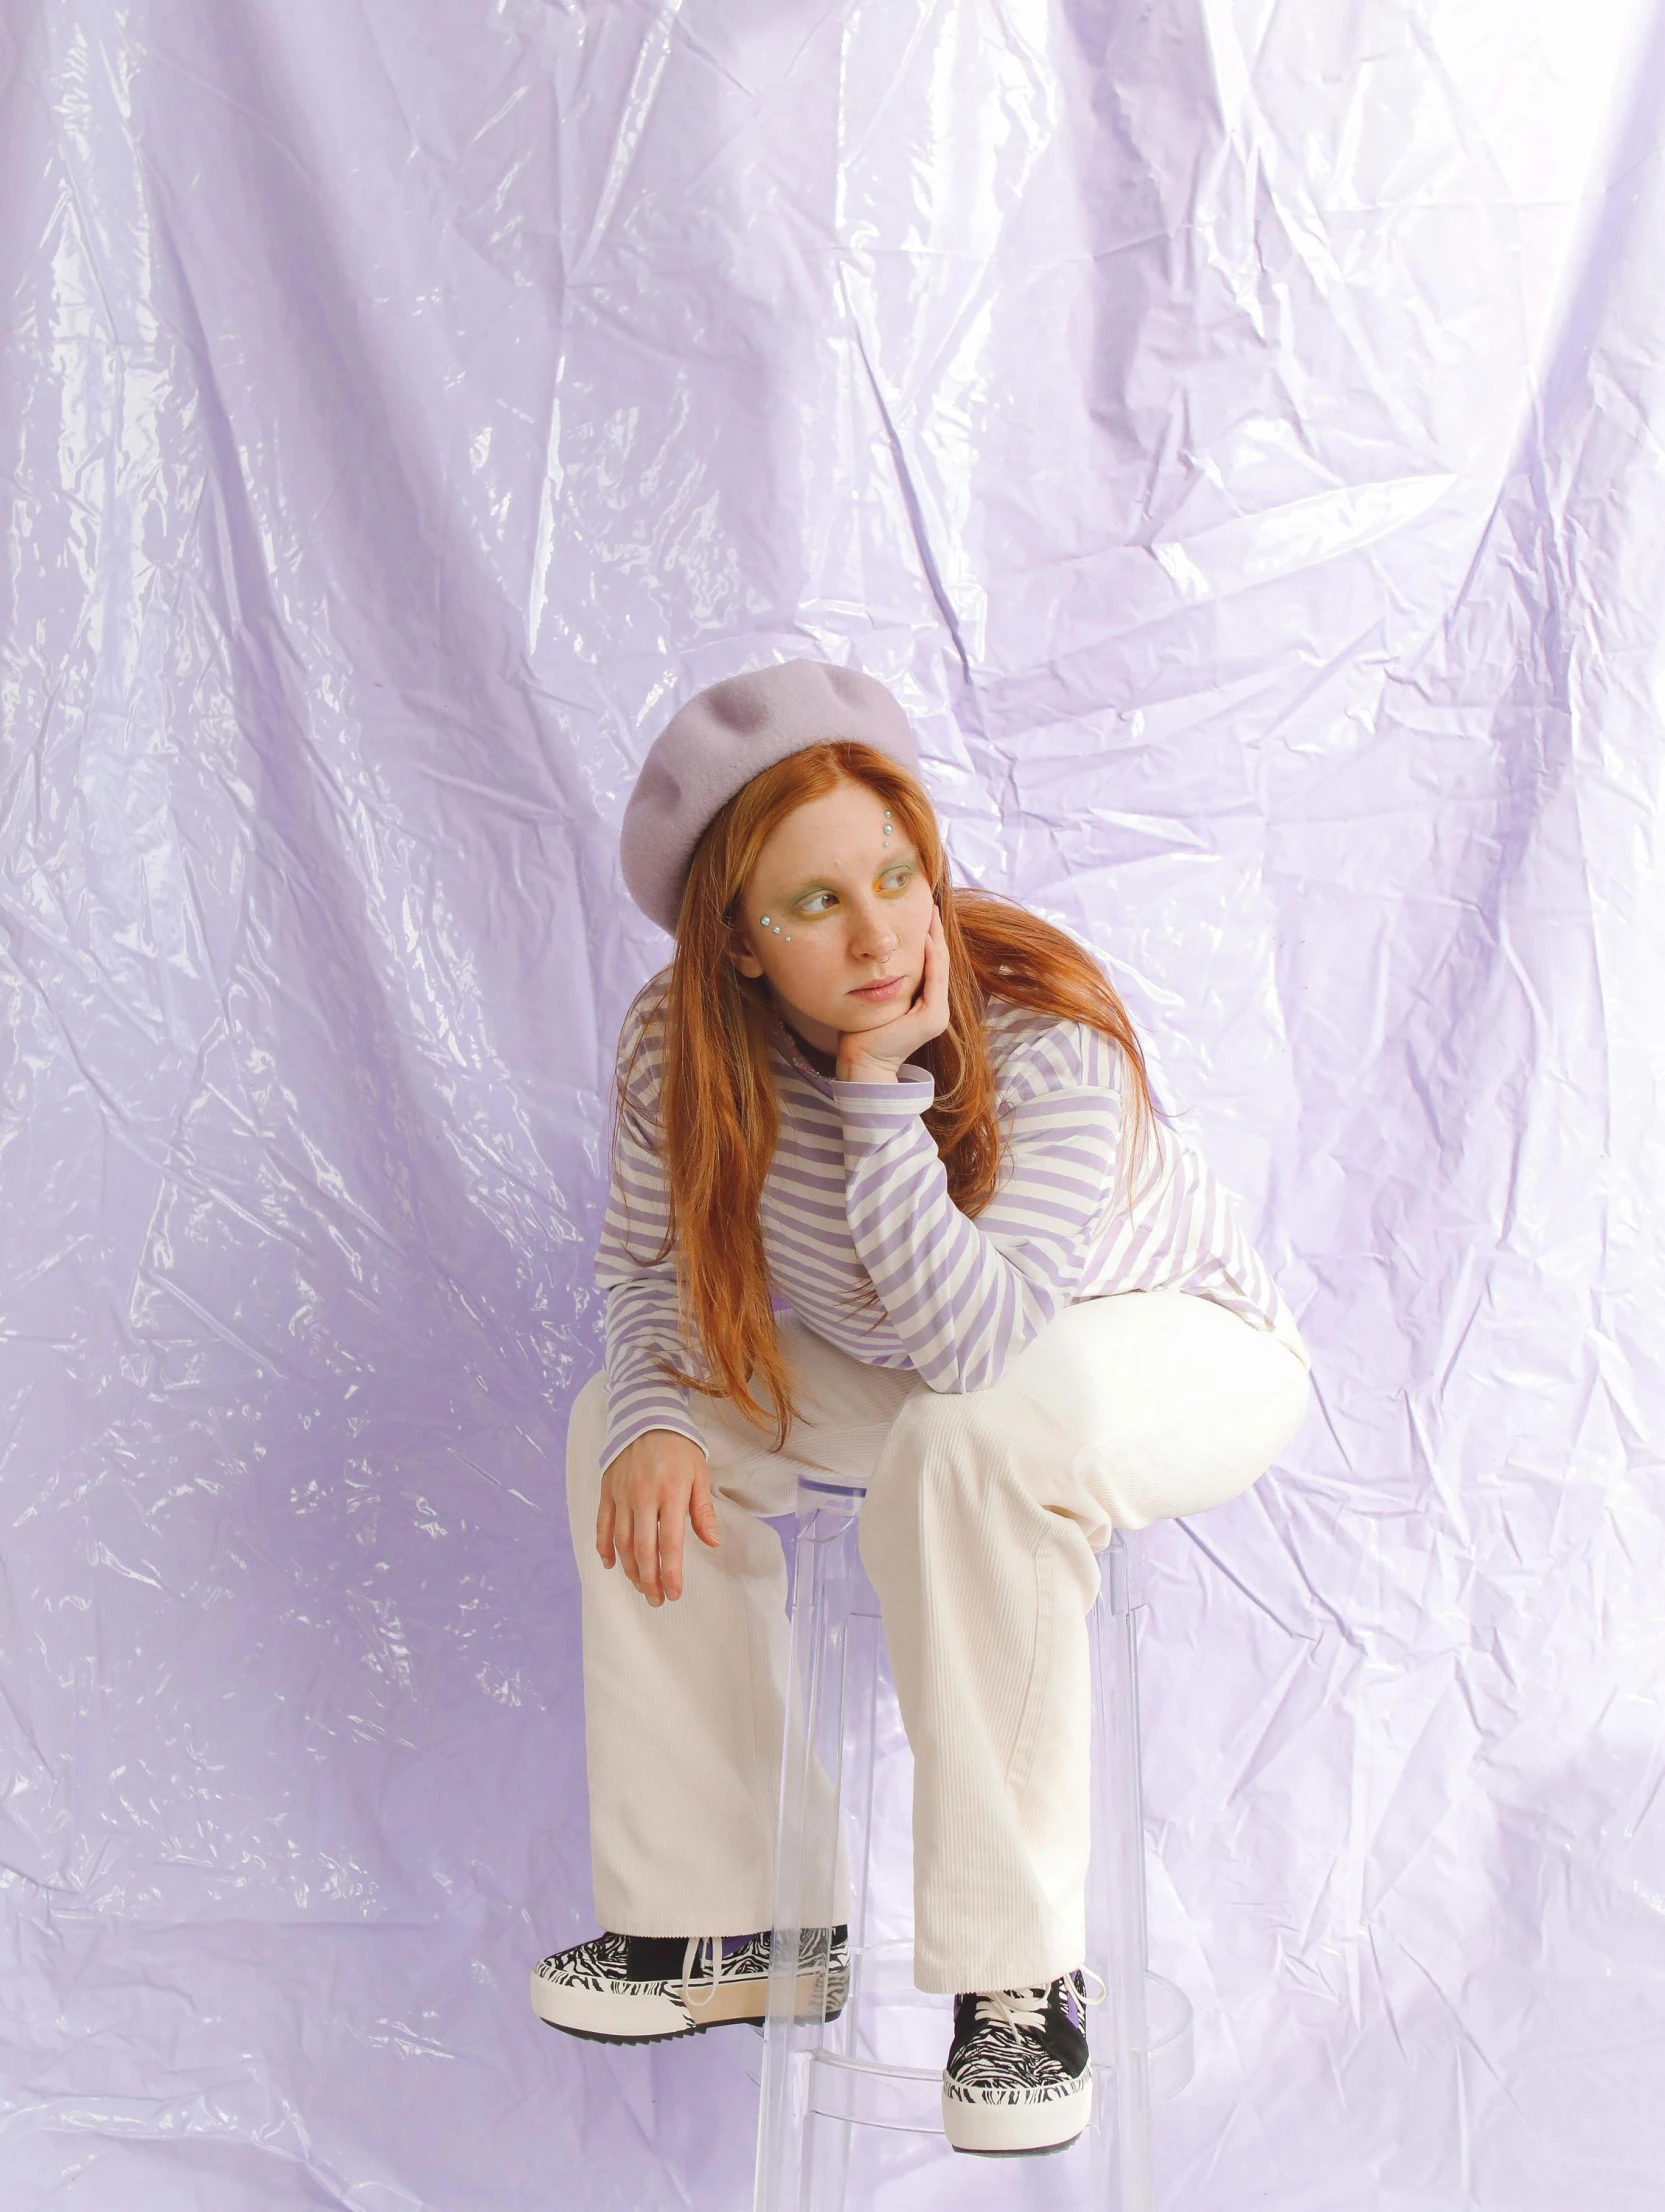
(982, 1517)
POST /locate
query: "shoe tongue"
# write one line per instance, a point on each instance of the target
(654, 1958)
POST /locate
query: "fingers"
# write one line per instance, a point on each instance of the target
(606, 1514)
(703, 1514)
(644, 1553)
(624, 1532)
(927, 1015)
(936, 956)
(936, 973)
(670, 1554)
(648, 1496)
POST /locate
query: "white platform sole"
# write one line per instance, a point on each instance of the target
(612, 2016)
(995, 2130)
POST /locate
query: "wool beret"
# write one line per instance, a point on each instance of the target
(720, 740)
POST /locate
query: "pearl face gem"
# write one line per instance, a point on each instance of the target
(765, 921)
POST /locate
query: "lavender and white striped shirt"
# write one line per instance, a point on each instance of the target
(857, 1193)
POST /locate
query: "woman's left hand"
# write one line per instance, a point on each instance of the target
(874, 1055)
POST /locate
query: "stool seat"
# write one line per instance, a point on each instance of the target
(841, 2100)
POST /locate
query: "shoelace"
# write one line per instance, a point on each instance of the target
(1026, 2008)
(1012, 2009)
(712, 1946)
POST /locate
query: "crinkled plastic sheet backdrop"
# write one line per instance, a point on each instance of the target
(1235, 431)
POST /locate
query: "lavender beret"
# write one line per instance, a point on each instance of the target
(720, 740)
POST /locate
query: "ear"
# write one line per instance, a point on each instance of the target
(741, 953)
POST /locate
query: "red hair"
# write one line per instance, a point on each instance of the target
(720, 1115)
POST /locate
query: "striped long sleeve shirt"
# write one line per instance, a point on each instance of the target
(857, 1195)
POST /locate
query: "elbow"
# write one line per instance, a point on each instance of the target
(979, 1361)
(961, 1377)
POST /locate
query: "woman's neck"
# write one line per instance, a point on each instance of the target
(824, 1063)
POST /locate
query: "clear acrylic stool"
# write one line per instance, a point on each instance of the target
(879, 2066)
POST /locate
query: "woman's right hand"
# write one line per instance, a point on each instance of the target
(648, 1492)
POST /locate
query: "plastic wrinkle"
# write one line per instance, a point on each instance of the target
(1236, 433)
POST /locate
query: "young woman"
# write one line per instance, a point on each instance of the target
(1021, 1312)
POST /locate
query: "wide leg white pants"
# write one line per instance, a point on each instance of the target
(982, 1516)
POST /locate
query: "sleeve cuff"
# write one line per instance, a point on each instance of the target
(629, 1430)
(871, 1112)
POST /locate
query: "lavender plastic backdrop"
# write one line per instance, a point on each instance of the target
(1235, 430)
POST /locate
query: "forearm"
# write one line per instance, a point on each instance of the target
(641, 1335)
(961, 1308)
(966, 1295)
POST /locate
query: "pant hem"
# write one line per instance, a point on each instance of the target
(937, 1978)
(701, 1921)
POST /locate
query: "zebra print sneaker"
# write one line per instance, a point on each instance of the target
(643, 1989)
(1017, 2077)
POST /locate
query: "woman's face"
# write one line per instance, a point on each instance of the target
(834, 917)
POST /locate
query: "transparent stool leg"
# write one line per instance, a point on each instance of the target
(829, 2138)
(1118, 1761)
(806, 1849)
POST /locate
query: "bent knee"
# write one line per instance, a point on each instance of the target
(1204, 1450)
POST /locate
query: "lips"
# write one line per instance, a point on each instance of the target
(879, 990)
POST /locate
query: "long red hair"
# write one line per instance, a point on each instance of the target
(720, 1114)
